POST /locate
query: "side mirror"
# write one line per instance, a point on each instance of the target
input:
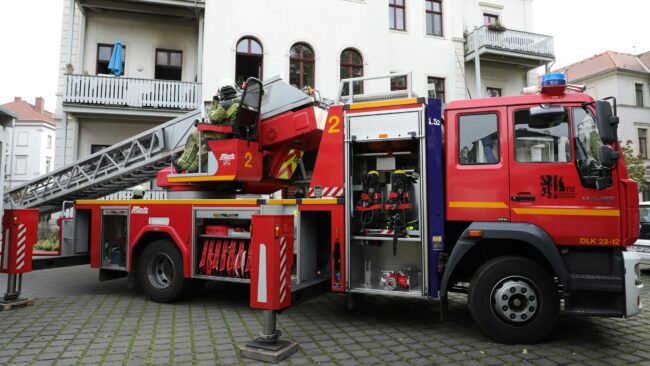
(608, 156)
(607, 122)
(546, 116)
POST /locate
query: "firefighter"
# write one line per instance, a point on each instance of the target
(223, 111)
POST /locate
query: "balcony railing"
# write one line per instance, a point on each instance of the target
(510, 41)
(130, 92)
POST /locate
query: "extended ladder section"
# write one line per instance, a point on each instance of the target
(135, 160)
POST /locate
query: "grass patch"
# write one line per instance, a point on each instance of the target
(50, 244)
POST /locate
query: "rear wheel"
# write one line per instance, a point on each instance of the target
(514, 300)
(160, 271)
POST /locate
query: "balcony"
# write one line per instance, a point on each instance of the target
(121, 95)
(509, 46)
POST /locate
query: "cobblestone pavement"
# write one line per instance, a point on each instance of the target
(77, 320)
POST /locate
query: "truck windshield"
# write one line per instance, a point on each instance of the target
(587, 139)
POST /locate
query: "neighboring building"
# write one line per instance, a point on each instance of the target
(7, 120)
(176, 51)
(30, 142)
(626, 77)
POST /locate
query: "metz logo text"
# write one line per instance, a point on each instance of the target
(140, 210)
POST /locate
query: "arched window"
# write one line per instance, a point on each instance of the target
(352, 67)
(301, 65)
(249, 59)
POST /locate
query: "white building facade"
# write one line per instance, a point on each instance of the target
(177, 51)
(29, 145)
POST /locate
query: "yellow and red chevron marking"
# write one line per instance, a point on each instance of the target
(289, 166)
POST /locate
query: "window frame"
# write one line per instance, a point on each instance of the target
(22, 158)
(638, 89)
(570, 137)
(458, 135)
(432, 13)
(349, 65)
(444, 92)
(49, 142)
(169, 52)
(644, 153)
(489, 88)
(392, 8)
(302, 61)
(19, 142)
(97, 60)
(488, 16)
(250, 53)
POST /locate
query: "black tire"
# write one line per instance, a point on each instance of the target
(160, 272)
(514, 300)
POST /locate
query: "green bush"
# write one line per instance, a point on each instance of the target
(50, 244)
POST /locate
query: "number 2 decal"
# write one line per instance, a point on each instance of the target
(249, 158)
(334, 122)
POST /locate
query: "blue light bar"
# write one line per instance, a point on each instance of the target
(554, 79)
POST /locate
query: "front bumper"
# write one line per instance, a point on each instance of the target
(633, 284)
(642, 248)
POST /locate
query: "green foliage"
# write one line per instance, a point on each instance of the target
(50, 244)
(635, 163)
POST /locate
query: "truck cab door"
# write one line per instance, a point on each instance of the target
(477, 165)
(546, 184)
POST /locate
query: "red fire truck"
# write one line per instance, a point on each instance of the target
(523, 203)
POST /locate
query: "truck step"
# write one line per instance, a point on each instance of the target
(586, 282)
(585, 311)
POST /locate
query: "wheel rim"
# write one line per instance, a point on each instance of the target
(161, 271)
(515, 300)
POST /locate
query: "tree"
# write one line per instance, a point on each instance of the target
(635, 164)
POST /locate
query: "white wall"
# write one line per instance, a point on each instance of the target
(510, 80)
(141, 36)
(28, 140)
(107, 132)
(513, 14)
(330, 27)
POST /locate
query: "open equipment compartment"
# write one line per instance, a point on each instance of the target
(386, 207)
(114, 238)
(222, 239)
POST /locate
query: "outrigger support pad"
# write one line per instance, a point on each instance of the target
(268, 347)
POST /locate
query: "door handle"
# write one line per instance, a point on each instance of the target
(523, 198)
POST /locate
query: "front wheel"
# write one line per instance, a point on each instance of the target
(160, 272)
(514, 300)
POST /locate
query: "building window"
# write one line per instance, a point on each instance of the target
(535, 143)
(434, 17)
(643, 143)
(169, 64)
(494, 92)
(22, 138)
(638, 88)
(96, 148)
(436, 88)
(352, 67)
(398, 83)
(48, 165)
(21, 165)
(478, 139)
(490, 19)
(397, 14)
(104, 53)
(49, 141)
(249, 59)
(301, 66)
